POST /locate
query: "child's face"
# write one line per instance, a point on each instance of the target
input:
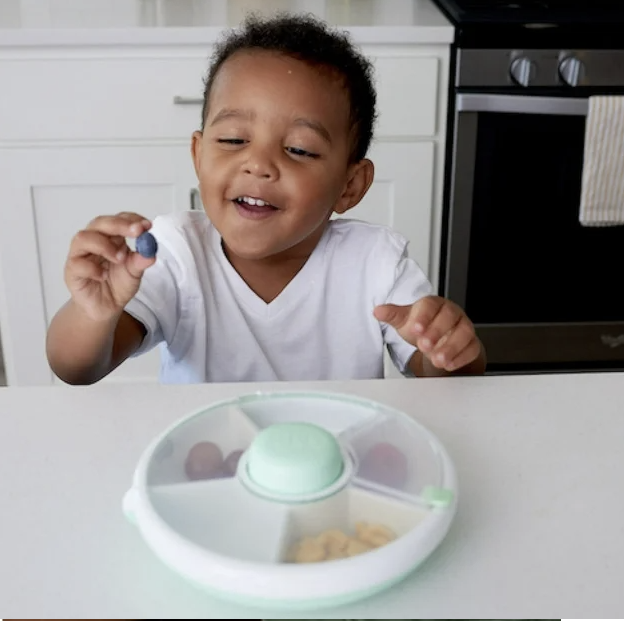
(277, 130)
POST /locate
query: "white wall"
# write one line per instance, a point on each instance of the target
(180, 13)
(76, 13)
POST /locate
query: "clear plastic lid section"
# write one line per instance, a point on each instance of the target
(336, 413)
(209, 444)
(395, 455)
(206, 446)
(192, 486)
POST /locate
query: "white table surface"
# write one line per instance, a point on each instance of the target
(539, 531)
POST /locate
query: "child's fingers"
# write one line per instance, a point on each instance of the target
(131, 216)
(424, 311)
(136, 264)
(452, 344)
(466, 356)
(119, 241)
(89, 242)
(420, 313)
(392, 314)
(434, 327)
(123, 224)
(136, 218)
(83, 268)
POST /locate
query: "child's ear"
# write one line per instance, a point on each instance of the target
(359, 179)
(196, 150)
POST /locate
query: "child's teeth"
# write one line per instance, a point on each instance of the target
(254, 201)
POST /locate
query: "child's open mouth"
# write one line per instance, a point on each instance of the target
(254, 208)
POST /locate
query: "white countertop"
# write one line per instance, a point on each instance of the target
(539, 530)
(396, 22)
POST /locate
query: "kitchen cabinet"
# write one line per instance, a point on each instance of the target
(94, 130)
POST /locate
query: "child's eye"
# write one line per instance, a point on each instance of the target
(301, 152)
(231, 141)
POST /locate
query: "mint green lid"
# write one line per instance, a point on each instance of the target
(294, 458)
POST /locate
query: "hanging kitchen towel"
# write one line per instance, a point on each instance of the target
(602, 194)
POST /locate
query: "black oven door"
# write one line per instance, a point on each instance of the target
(543, 291)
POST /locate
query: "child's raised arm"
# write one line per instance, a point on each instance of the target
(92, 334)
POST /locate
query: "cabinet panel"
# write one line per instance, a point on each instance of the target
(101, 98)
(401, 194)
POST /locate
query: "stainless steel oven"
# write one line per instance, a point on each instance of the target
(543, 291)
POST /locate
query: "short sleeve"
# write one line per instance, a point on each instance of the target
(410, 285)
(156, 303)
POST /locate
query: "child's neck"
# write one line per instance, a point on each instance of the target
(268, 277)
(268, 281)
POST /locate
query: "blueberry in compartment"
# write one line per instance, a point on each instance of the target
(146, 245)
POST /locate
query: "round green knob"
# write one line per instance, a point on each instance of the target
(294, 458)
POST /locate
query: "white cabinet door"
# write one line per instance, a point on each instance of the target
(46, 196)
(401, 194)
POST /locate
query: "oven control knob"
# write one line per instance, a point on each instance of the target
(571, 70)
(522, 71)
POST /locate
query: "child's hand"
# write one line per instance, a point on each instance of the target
(438, 327)
(101, 272)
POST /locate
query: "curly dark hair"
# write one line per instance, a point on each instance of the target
(311, 40)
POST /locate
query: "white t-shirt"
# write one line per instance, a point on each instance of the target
(213, 328)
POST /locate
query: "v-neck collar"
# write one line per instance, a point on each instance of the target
(301, 284)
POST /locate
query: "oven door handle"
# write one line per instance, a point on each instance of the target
(522, 104)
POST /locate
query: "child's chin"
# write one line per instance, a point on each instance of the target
(248, 252)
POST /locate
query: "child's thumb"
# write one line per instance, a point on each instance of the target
(136, 264)
(394, 315)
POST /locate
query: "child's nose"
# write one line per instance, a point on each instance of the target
(260, 164)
